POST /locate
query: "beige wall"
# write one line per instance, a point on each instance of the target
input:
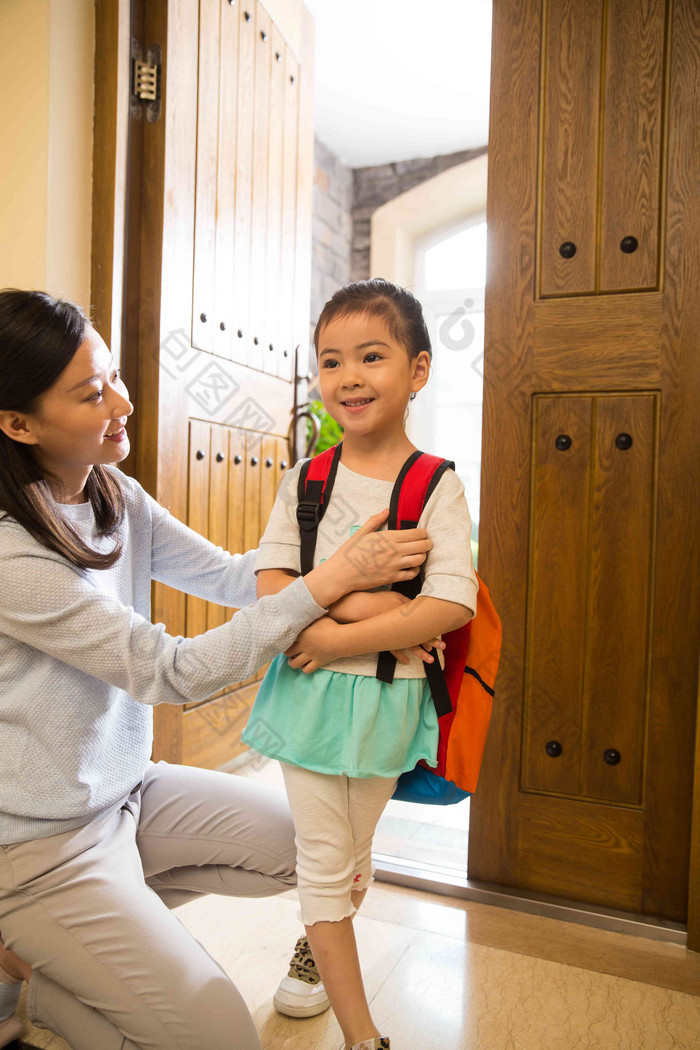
(46, 113)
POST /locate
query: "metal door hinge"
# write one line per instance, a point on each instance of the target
(145, 81)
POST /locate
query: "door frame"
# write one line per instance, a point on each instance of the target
(395, 226)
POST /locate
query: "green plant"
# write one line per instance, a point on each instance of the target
(331, 432)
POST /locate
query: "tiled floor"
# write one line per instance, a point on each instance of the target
(443, 973)
(448, 974)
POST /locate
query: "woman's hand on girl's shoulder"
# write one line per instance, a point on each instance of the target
(317, 645)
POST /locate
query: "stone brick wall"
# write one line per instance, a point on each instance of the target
(376, 185)
(331, 228)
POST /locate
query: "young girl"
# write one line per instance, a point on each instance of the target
(343, 737)
(97, 842)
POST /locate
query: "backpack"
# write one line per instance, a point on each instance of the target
(463, 692)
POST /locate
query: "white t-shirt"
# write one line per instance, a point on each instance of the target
(448, 571)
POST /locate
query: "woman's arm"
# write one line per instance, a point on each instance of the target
(358, 605)
(57, 610)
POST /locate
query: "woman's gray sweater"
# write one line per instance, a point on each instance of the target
(82, 666)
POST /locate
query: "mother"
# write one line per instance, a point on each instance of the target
(98, 842)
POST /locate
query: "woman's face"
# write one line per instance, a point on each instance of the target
(70, 431)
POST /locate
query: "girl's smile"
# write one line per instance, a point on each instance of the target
(358, 404)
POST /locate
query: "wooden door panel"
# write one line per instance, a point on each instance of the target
(198, 511)
(218, 507)
(274, 335)
(621, 542)
(570, 85)
(223, 319)
(245, 118)
(621, 337)
(258, 249)
(602, 92)
(289, 198)
(556, 595)
(251, 517)
(631, 147)
(216, 178)
(205, 191)
(582, 851)
(212, 731)
(591, 551)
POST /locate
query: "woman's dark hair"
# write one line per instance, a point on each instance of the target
(379, 298)
(38, 337)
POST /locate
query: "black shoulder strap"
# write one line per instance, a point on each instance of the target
(313, 495)
(386, 663)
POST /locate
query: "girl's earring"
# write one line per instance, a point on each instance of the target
(412, 396)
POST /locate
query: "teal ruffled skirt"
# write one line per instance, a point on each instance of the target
(334, 722)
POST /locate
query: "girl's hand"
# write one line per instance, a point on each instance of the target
(317, 645)
(421, 651)
(374, 559)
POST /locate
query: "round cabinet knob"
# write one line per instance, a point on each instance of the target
(200, 454)
(286, 353)
(254, 461)
(237, 459)
(268, 462)
(623, 441)
(278, 57)
(220, 457)
(239, 333)
(256, 340)
(283, 464)
(567, 250)
(629, 245)
(611, 756)
(563, 442)
(263, 35)
(202, 317)
(247, 16)
(271, 346)
(222, 326)
(292, 80)
(553, 748)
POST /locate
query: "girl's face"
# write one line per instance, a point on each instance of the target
(72, 427)
(365, 376)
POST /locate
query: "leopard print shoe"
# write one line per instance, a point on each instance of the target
(301, 992)
(372, 1044)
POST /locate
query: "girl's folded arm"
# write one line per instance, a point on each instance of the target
(408, 625)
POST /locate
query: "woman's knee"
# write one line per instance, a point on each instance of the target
(221, 1018)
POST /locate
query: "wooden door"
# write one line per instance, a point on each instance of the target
(218, 278)
(590, 469)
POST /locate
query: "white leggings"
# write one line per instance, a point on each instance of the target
(334, 819)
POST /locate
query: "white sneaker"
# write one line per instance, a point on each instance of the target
(301, 992)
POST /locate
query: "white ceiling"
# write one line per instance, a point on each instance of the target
(397, 79)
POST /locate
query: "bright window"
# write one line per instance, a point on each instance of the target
(446, 417)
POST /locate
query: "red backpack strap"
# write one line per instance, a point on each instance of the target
(314, 488)
(413, 488)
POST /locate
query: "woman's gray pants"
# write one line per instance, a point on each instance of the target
(88, 909)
